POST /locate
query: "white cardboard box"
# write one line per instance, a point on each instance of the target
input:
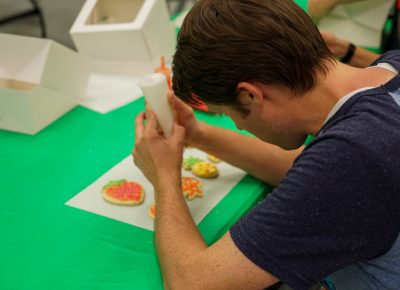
(360, 22)
(40, 80)
(124, 30)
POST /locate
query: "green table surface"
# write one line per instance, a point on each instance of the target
(302, 3)
(46, 244)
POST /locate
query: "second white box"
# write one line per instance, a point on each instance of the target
(124, 30)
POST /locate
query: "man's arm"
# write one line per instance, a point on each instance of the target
(186, 261)
(264, 161)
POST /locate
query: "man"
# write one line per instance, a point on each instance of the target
(335, 210)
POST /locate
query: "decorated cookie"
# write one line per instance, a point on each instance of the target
(213, 158)
(205, 170)
(191, 187)
(190, 161)
(123, 192)
(152, 211)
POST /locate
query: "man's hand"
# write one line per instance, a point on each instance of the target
(185, 117)
(157, 157)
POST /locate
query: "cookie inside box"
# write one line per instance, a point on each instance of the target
(114, 11)
(16, 85)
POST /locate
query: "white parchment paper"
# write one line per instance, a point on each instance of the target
(90, 199)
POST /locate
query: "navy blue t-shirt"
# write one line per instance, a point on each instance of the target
(339, 204)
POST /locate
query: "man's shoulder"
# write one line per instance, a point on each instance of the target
(366, 118)
(360, 138)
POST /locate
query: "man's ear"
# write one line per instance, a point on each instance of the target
(250, 93)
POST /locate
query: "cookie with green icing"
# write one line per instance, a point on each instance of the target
(190, 161)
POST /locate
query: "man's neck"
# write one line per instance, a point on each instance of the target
(340, 81)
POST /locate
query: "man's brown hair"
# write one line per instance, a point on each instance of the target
(224, 42)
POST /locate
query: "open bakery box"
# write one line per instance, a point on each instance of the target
(40, 80)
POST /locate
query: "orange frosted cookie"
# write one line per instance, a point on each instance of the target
(205, 170)
(191, 187)
(152, 211)
(123, 192)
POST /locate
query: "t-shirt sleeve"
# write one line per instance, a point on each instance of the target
(329, 212)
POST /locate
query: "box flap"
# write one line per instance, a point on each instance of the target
(66, 71)
(22, 58)
(15, 112)
(30, 111)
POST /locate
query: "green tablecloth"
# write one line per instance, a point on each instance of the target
(302, 3)
(47, 245)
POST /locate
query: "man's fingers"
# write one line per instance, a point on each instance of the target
(152, 124)
(139, 125)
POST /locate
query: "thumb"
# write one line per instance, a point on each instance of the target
(151, 127)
